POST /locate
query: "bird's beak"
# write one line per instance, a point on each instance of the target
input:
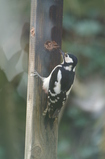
(63, 54)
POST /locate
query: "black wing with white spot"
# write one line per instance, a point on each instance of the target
(59, 88)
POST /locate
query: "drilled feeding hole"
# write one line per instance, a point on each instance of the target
(50, 45)
(32, 32)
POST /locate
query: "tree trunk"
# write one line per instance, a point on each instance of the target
(46, 24)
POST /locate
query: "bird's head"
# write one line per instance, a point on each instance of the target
(69, 59)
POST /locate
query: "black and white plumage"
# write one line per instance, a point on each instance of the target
(58, 84)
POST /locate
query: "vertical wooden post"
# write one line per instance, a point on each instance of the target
(46, 24)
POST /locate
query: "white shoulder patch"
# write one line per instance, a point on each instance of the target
(57, 87)
(46, 80)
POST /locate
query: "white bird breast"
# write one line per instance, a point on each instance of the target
(46, 83)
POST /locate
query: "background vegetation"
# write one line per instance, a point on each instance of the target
(82, 128)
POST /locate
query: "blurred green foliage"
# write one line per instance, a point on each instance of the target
(83, 35)
(76, 137)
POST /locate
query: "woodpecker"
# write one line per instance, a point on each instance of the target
(58, 84)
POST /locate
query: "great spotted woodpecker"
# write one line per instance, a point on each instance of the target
(58, 84)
